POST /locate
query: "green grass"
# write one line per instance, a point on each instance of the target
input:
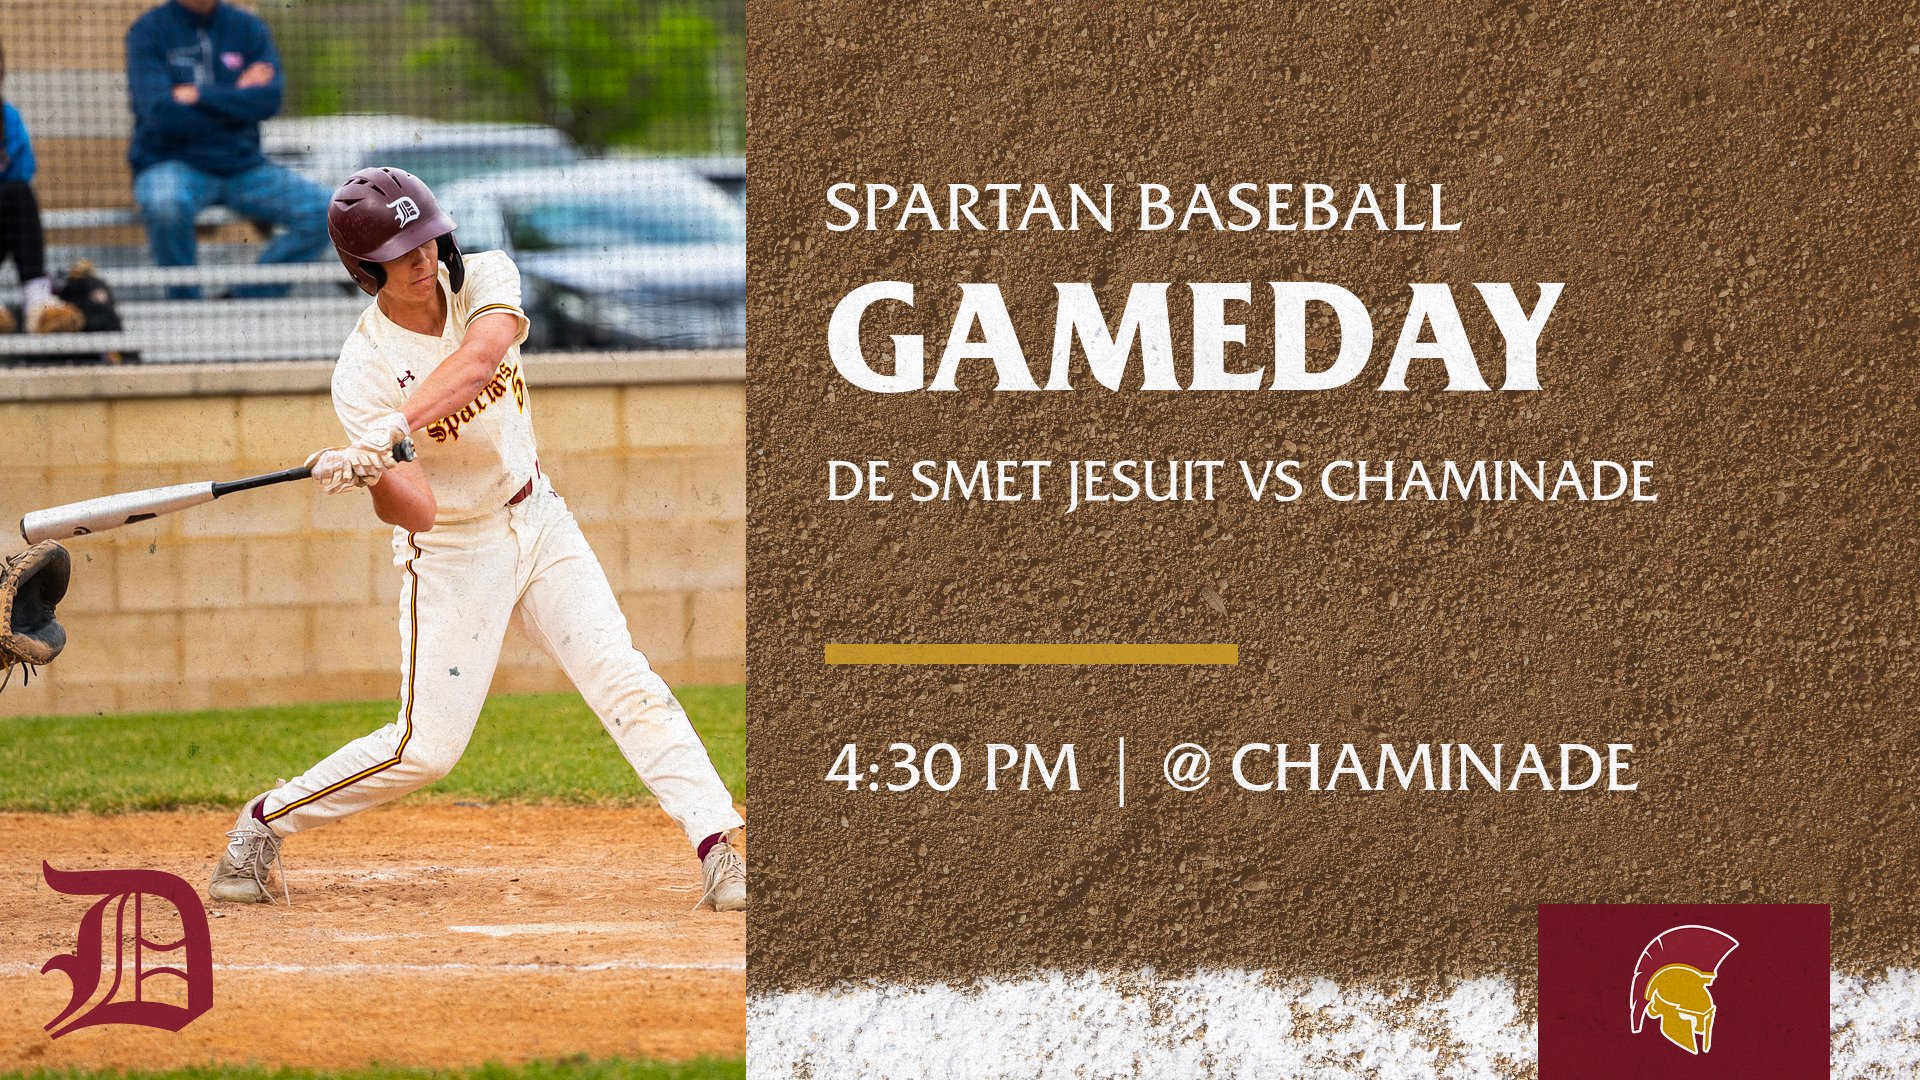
(565, 1069)
(527, 748)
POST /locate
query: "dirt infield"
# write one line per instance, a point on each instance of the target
(1718, 195)
(429, 934)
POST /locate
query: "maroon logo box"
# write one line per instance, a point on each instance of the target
(1684, 991)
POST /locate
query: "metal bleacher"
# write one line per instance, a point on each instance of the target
(158, 330)
(120, 216)
(294, 328)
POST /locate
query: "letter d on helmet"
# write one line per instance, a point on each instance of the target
(382, 213)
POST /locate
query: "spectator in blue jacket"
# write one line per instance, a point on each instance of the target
(21, 238)
(201, 76)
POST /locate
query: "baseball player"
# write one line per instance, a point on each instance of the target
(480, 537)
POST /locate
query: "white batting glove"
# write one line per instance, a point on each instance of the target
(366, 466)
(333, 470)
(385, 434)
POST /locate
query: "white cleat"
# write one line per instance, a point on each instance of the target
(252, 852)
(725, 871)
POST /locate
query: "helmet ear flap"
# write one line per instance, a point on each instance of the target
(376, 272)
(456, 264)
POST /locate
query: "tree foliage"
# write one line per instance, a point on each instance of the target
(662, 74)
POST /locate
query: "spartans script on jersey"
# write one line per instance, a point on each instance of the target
(1138, 350)
(506, 380)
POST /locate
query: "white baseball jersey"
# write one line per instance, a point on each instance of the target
(477, 457)
(483, 567)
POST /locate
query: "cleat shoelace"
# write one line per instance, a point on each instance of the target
(728, 867)
(255, 850)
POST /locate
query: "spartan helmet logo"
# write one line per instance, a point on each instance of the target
(405, 210)
(1670, 984)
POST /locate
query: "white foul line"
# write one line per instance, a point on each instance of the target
(358, 968)
(517, 929)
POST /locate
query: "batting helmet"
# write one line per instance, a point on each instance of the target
(380, 214)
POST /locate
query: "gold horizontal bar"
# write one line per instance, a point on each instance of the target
(1053, 653)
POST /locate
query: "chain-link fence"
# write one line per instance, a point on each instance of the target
(168, 167)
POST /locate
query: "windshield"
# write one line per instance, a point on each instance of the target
(618, 220)
(440, 165)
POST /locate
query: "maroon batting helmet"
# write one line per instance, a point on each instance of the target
(381, 214)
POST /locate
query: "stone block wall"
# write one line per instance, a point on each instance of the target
(288, 595)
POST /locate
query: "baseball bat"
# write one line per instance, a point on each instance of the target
(113, 511)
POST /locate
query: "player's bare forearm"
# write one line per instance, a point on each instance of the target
(461, 377)
(404, 498)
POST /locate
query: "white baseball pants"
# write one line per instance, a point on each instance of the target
(460, 587)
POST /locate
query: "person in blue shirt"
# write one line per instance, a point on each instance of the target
(201, 75)
(21, 237)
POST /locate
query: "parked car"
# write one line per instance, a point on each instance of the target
(616, 253)
(331, 148)
(729, 174)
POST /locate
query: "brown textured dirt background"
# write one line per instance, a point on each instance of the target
(425, 935)
(1728, 191)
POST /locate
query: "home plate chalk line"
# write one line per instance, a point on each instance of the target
(366, 968)
(521, 929)
(503, 930)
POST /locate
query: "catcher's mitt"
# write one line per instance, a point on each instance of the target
(31, 583)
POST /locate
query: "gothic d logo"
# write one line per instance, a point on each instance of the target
(128, 893)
